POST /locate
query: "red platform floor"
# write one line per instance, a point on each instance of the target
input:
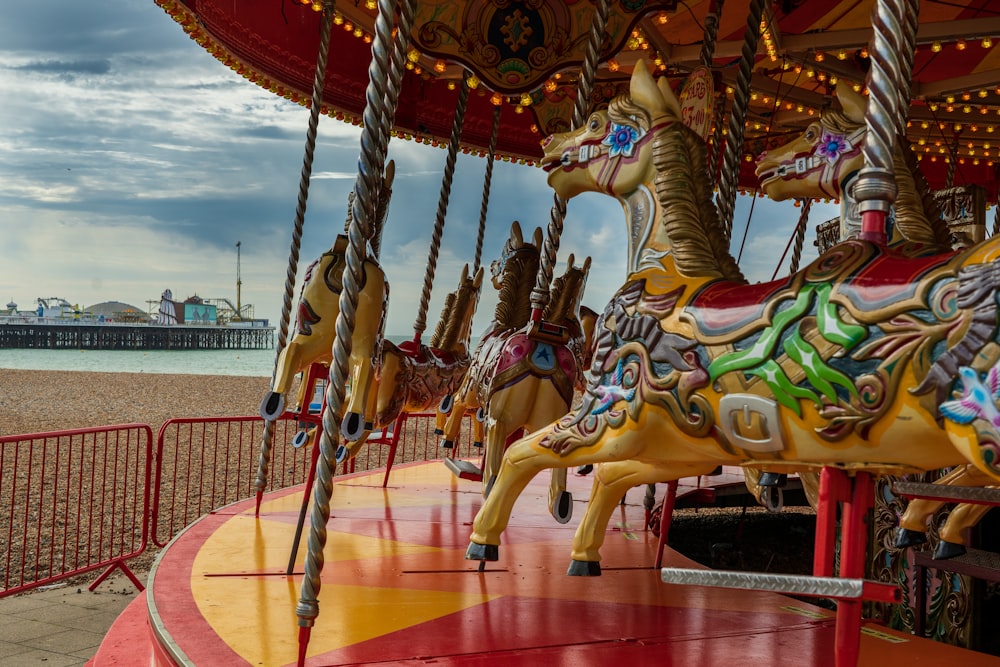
(397, 590)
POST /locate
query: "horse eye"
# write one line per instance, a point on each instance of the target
(595, 123)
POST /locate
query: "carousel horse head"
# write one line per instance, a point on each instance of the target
(513, 274)
(454, 329)
(818, 162)
(611, 152)
(567, 293)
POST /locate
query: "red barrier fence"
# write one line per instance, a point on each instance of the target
(71, 502)
(78, 500)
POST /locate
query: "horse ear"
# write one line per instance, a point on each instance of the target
(569, 263)
(465, 275)
(515, 233)
(478, 280)
(586, 265)
(853, 104)
(673, 104)
(538, 238)
(644, 91)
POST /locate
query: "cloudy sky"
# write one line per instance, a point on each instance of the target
(134, 162)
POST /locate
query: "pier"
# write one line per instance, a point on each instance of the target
(81, 336)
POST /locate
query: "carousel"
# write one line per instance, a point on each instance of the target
(870, 376)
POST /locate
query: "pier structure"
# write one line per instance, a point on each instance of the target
(83, 336)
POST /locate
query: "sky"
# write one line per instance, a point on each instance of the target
(134, 162)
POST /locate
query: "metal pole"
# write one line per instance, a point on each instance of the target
(588, 72)
(369, 167)
(726, 200)
(487, 182)
(442, 210)
(264, 461)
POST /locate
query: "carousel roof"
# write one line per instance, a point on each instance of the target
(524, 56)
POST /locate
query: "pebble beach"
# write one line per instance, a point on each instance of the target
(33, 401)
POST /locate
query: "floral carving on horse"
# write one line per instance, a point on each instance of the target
(517, 381)
(846, 363)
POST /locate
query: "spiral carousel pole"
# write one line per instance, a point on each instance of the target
(370, 165)
(557, 215)
(264, 461)
(442, 210)
(487, 183)
(800, 235)
(876, 188)
(707, 51)
(726, 201)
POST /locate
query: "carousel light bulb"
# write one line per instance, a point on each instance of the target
(833, 80)
(550, 86)
(966, 109)
(958, 127)
(936, 47)
(949, 108)
(519, 109)
(797, 68)
(810, 73)
(933, 106)
(413, 55)
(983, 92)
(800, 108)
(864, 52)
(819, 56)
(662, 18)
(317, 6)
(950, 99)
(358, 32)
(473, 81)
(439, 66)
(984, 110)
(525, 99)
(338, 19)
(921, 141)
(371, 4)
(966, 96)
(613, 65)
(496, 99)
(974, 128)
(451, 85)
(367, 38)
(960, 45)
(856, 87)
(348, 26)
(842, 55)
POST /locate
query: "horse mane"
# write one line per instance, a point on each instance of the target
(563, 297)
(519, 273)
(442, 325)
(917, 216)
(690, 218)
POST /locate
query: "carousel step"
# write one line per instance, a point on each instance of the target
(464, 469)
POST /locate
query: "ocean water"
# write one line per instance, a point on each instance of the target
(253, 363)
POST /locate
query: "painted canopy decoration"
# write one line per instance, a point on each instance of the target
(524, 56)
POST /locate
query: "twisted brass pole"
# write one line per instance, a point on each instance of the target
(800, 235)
(557, 214)
(876, 187)
(442, 209)
(365, 192)
(264, 460)
(487, 182)
(726, 200)
(707, 51)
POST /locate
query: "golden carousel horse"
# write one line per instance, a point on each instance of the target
(412, 377)
(316, 317)
(849, 363)
(519, 382)
(319, 305)
(824, 162)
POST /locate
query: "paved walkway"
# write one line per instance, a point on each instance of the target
(61, 626)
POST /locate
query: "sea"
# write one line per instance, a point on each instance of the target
(253, 363)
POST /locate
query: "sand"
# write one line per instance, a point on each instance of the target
(38, 401)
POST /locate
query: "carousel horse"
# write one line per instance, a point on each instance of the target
(824, 162)
(847, 363)
(319, 305)
(316, 317)
(412, 377)
(519, 382)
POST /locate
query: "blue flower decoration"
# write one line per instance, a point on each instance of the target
(832, 146)
(621, 140)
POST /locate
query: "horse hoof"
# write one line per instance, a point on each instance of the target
(584, 568)
(478, 444)
(300, 439)
(909, 538)
(342, 453)
(562, 507)
(773, 498)
(352, 427)
(448, 444)
(272, 406)
(585, 470)
(945, 550)
(438, 431)
(476, 551)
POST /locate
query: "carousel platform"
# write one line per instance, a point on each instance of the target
(397, 590)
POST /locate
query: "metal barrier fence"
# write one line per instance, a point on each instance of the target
(78, 500)
(71, 502)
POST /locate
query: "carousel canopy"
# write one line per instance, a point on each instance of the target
(525, 55)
